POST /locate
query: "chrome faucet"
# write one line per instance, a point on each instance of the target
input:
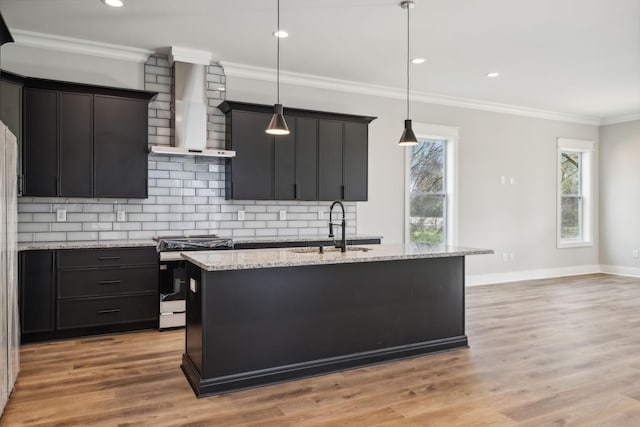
(343, 224)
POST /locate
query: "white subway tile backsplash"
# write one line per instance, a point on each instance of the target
(112, 235)
(66, 226)
(50, 237)
(33, 227)
(186, 193)
(97, 226)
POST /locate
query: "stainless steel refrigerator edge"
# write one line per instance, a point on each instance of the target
(9, 320)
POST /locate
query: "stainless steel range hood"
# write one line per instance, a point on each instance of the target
(190, 103)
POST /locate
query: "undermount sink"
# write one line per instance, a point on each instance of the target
(315, 249)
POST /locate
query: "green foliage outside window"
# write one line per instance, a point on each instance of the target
(427, 204)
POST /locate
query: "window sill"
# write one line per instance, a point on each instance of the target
(574, 244)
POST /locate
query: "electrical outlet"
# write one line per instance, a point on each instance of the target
(634, 253)
(121, 216)
(503, 180)
(512, 180)
(320, 214)
(505, 257)
(240, 215)
(283, 215)
(61, 215)
(511, 257)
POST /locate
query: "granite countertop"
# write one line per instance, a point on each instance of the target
(311, 238)
(291, 257)
(86, 244)
(89, 244)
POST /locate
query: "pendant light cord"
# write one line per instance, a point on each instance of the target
(408, 41)
(278, 58)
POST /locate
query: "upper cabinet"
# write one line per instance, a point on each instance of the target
(84, 141)
(323, 158)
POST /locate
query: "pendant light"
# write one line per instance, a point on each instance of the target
(408, 137)
(277, 125)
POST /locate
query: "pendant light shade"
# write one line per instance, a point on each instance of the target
(408, 137)
(277, 125)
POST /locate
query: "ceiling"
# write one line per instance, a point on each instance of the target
(572, 56)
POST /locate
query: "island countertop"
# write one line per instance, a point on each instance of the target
(291, 257)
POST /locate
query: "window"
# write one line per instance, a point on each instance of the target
(430, 191)
(575, 171)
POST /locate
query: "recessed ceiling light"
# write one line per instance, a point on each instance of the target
(418, 61)
(282, 34)
(493, 74)
(113, 3)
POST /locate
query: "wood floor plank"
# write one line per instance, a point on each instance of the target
(557, 352)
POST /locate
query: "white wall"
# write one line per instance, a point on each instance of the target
(518, 218)
(619, 197)
(71, 67)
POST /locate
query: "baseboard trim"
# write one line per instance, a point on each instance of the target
(518, 276)
(209, 386)
(620, 270)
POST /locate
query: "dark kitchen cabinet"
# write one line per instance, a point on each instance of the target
(284, 163)
(355, 161)
(37, 291)
(120, 146)
(40, 145)
(251, 173)
(323, 158)
(84, 141)
(76, 292)
(306, 158)
(76, 153)
(330, 158)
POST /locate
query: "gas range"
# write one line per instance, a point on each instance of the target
(170, 247)
(173, 273)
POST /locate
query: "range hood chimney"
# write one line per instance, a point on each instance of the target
(190, 103)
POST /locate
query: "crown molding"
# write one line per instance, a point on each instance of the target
(620, 119)
(191, 56)
(268, 74)
(79, 46)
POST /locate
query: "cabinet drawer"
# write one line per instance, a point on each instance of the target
(107, 281)
(107, 257)
(106, 311)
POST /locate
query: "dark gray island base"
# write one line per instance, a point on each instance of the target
(249, 327)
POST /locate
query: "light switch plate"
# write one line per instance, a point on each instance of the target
(320, 214)
(121, 216)
(241, 215)
(61, 215)
(283, 215)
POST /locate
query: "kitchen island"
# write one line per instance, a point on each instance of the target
(256, 317)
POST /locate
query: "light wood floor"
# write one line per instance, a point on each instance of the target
(551, 352)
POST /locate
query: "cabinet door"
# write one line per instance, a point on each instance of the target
(284, 166)
(330, 158)
(40, 154)
(252, 168)
(307, 158)
(37, 291)
(120, 147)
(11, 107)
(356, 142)
(76, 153)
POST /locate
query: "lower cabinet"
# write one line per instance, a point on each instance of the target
(75, 292)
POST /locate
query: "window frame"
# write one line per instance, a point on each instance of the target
(448, 134)
(586, 150)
